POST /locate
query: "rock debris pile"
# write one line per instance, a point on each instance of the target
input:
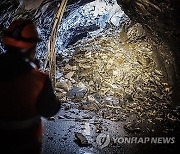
(116, 75)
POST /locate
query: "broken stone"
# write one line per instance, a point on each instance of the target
(51, 118)
(84, 66)
(77, 92)
(74, 68)
(97, 122)
(98, 130)
(73, 112)
(50, 138)
(68, 67)
(67, 117)
(59, 90)
(131, 129)
(91, 98)
(61, 95)
(114, 119)
(64, 85)
(79, 120)
(71, 127)
(81, 139)
(64, 138)
(86, 117)
(136, 32)
(91, 83)
(69, 75)
(60, 117)
(67, 106)
(89, 106)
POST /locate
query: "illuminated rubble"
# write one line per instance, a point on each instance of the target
(117, 75)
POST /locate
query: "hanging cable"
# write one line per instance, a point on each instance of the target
(51, 55)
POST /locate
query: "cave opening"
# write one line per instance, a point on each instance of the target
(112, 75)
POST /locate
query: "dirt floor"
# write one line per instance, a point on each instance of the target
(59, 135)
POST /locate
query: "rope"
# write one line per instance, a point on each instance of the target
(51, 55)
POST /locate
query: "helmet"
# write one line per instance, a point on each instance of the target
(21, 33)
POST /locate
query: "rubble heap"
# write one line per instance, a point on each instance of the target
(116, 74)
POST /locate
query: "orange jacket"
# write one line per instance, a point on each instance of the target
(26, 94)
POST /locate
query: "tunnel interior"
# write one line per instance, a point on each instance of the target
(112, 75)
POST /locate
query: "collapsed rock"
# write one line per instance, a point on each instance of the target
(116, 75)
(81, 139)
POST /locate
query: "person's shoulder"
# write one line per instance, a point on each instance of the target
(35, 70)
(40, 74)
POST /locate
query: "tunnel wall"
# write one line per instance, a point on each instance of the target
(162, 19)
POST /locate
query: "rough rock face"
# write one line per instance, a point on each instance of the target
(161, 18)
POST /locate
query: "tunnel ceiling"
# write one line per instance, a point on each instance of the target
(160, 16)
